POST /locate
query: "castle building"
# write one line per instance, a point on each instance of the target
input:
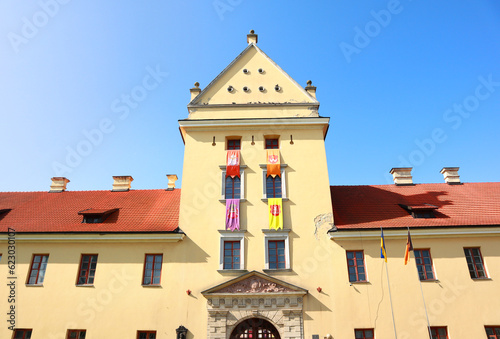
(256, 244)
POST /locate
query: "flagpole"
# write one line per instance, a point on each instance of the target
(390, 298)
(422, 293)
(388, 282)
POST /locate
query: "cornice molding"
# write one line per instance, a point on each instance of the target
(454, 232)
(252, 122)
(289, 104)
(93, 237)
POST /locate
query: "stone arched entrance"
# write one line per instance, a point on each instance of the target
(255, 305)
(255, 328)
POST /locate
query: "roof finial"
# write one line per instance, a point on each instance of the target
(311, 89)
(252, 37)
(195, 90)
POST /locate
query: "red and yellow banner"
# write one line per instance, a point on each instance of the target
(233, 163)
(273, 163)
(275, 213)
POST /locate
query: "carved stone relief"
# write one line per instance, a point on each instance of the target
(254, 285)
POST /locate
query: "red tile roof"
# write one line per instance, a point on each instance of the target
(365, 207)
(138, 211)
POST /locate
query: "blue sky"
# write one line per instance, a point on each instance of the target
(406, 83)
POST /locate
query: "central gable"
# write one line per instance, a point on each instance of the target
(252, 80)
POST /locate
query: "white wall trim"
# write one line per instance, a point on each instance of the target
(283, 183)
(85, 237)
(242, 184)
(253, 122)
(416, 233)
(277, 235)
(232, 236)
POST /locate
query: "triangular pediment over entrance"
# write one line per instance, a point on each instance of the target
(253, 296)
(254, 283)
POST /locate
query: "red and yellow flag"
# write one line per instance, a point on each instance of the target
(275, 213)
(273, 163)
(409, 247)
(233, 163)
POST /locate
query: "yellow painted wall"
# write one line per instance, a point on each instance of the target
(455, 300)
(202, 214)
(242, 112)
(307, 184)
(116, 306)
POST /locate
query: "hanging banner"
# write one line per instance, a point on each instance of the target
(273, 163)
(232, 214)
(233, 163)
(275, 213)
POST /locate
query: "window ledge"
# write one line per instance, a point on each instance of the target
(359, 283)
(232, 271)
(84, 285)
(224, 200)
(34, 285)
(236, 233)
(223, 167)
(277, 270)
(265, 165)
(273, 231)
(487, 278)
(265, 199)
(153, 286)
(431, 280)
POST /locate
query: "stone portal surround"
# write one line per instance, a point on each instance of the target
(283, 311)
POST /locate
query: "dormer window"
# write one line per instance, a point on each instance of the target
(92, 219)
(423, 214)
(3, 212)
(424, 211)
(96, 216)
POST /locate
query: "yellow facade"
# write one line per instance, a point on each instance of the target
(465, 306)
(117, 305)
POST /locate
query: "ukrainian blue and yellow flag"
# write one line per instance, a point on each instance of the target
(383, 253)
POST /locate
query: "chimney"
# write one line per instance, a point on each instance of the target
(58, 184)
(172, 178)
(122, 183)
(252, 37)
(451, 176)
(311, 89)
(402, 175)
(195, 90)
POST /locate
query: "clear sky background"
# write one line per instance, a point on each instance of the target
(406, 83)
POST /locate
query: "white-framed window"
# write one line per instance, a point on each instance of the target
(277, 247)
(232, 250)
(273, 187)
(233, 188)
